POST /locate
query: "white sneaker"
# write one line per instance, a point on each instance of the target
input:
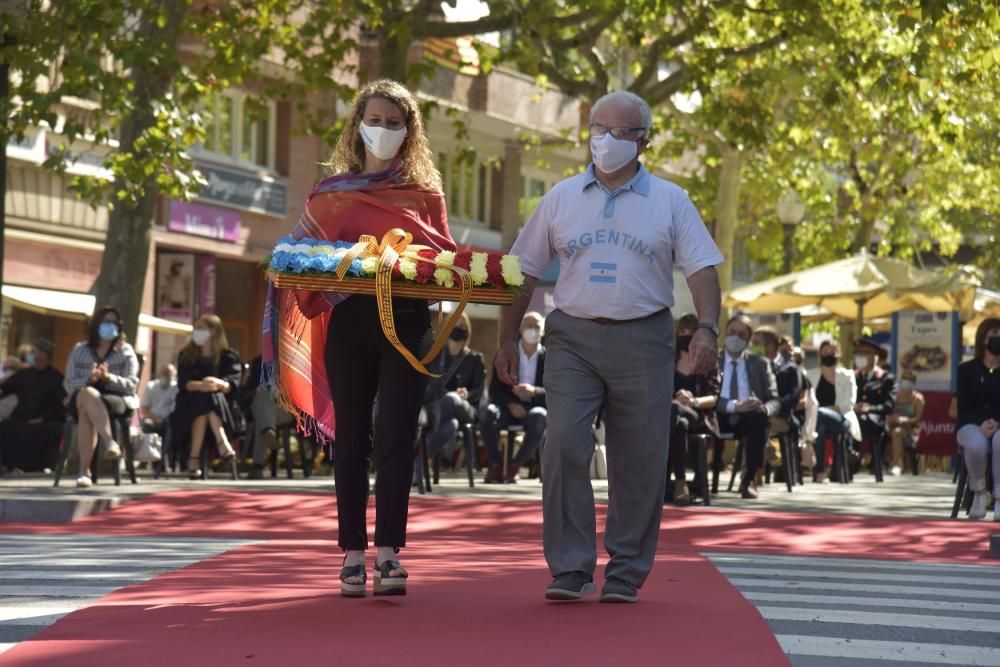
(979, 503)
(83, 481)
(896, 471)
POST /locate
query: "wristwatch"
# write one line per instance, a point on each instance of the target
(711, 326)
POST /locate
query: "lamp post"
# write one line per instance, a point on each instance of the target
(790, 209)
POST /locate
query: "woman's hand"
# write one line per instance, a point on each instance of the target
(989, 427)
(463, 393)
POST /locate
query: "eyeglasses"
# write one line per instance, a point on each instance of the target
(618, 132)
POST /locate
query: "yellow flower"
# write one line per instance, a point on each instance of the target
(477, 268)
(446, 257)
(510, 269)
(369, 265)
(444, 277)
(408, 268)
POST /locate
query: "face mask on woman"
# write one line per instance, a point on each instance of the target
(108, 331)
(200, 336)
(382, 142)
(993, 345)
(906, 385)
(612, 154)
(828, 360)
(861, 361)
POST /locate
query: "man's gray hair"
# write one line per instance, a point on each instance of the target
(645, 114)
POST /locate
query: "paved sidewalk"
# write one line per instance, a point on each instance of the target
(929, 495)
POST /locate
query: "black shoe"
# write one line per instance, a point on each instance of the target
(618, 590)
(570, 586)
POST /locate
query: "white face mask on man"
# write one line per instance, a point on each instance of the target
(612, 154)
(382, 142)
(531, 336)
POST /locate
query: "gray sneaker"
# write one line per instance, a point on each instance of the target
(617, 590)
(570, 586)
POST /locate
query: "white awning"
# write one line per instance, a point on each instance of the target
(78, 306)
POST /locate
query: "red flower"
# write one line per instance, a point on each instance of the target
(396, 273)
(463, 260)
(425, 270)
(494, 272)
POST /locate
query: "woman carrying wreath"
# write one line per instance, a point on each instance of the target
(327, 351)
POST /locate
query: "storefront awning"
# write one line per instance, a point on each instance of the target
(78, 306)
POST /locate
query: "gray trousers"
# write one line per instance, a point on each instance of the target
(629, 369)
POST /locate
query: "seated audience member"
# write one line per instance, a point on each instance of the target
(904, 422)
(978, 426)
(748, 399)
(522, 404)
(30, 436)
(876, 392)
(258, 401)
(788, 378)
(102, 378)
(157, 403)
(7, 403)
(692, 409)
(454, 397)
(832, 393)
(208, 373)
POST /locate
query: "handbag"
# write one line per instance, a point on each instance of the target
(147, 447)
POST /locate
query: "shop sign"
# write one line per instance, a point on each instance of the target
(243, 190)
(208, 221)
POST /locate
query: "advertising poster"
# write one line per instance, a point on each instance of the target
(929, 344)
(206, 285)
(175, 286)
(786, 324)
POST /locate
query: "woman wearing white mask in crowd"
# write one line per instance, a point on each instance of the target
(384, 179)
(905, 421)
(207, 372)
(102, 378)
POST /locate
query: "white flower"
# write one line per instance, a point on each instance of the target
(477, 268)
(510, 269)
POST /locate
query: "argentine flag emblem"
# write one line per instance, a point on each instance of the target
(603, 272)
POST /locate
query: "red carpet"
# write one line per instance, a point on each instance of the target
(475, 594)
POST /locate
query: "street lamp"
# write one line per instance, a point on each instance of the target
(790, 211)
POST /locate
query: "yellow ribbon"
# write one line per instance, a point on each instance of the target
(393, 244)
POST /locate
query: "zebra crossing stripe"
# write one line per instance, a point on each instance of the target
(852, 609)
(906, 652)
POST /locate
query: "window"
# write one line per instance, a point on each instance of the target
(532, 190)
(466, 183)
(239, 129)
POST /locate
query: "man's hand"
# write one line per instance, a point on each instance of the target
(752, 404)
(989, 427)
(703, 351)
(463, 393)
(506, 363)
(862, 408)
(524, 391)
(517, 410)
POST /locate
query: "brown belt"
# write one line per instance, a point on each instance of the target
(608, 320)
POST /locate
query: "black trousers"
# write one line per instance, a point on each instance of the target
(683, 422)
(752, 427)
(362, 365)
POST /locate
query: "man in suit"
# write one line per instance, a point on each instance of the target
(748, 399)
(789, 378)
(876, 392)
(523, 403)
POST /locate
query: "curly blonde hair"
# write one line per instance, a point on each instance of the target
(418, 161)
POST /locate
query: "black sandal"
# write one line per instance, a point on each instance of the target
(390, 585)
(351, 590)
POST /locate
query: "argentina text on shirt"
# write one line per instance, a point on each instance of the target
(609, 237)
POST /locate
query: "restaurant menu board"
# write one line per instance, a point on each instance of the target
(929, 344)
(786, 324)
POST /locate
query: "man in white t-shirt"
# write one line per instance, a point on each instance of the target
(618, 231)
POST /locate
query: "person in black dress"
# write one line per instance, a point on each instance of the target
(208, 372)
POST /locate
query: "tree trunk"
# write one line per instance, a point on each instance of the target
(392, 62)
(130, 225)
(727, 199)
(863, 236)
